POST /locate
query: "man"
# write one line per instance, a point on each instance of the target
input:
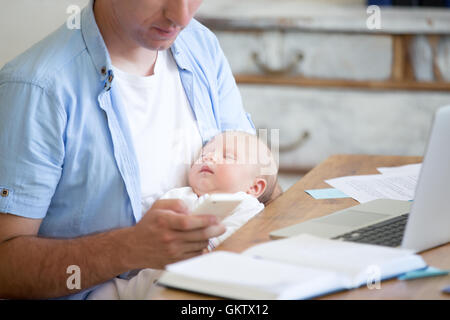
(91, 120)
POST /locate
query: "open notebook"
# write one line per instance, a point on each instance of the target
(300, 267)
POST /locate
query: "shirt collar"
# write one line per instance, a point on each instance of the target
(178, 55)
(99, 52)
(94, 41)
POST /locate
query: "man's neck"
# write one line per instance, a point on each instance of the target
(125, 53)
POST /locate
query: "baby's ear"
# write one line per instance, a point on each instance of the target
(258, 187)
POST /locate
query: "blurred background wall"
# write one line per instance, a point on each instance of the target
(24, 22)
(314, 70)
(332, 78)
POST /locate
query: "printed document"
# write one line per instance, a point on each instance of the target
(398, 183)
(377, 186)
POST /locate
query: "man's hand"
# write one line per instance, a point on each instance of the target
(167, 233)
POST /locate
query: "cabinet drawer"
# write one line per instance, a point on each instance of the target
(315, 55)
(342, 121)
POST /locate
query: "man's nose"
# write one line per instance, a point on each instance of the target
(178, 12)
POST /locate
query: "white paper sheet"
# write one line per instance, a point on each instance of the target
(408, 169)
(365, 188)
(343, 257)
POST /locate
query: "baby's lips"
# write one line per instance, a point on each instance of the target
(206, 168)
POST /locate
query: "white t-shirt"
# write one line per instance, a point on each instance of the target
(162, 124)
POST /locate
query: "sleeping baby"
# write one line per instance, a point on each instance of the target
(232, 162)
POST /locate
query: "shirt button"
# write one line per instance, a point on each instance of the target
(104, 71)
(5, 193)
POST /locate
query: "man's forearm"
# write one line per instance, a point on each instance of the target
(38, 267)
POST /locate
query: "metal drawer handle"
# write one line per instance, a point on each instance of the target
(290, 68)
(301, 140)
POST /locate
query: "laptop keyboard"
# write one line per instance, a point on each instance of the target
(386, 233)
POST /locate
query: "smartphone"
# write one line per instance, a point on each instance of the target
(219, 204)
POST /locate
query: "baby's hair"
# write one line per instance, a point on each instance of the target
(272, 181)
(268, 174)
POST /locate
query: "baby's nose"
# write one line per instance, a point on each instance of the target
(209, 157)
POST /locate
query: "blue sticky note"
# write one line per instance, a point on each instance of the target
(330, 193)
(423, 273)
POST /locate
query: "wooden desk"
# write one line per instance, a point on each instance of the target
(295, 206)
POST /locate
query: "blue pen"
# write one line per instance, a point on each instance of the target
(424, 273)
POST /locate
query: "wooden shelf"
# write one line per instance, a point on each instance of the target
(402, 74)
(338, 83)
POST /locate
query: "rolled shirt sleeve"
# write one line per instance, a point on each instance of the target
(31, 148)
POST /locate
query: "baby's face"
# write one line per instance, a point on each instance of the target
(222, 168)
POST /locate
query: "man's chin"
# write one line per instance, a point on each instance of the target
(157, 44)
(164, 46)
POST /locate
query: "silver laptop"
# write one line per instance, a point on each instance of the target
(418, 225)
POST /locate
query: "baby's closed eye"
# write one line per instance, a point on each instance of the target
(229, 155)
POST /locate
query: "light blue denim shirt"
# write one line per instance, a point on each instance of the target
(66, 153)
